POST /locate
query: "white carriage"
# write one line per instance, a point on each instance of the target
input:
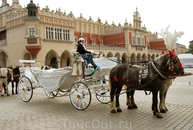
(76, 81)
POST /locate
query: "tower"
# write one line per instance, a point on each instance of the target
(4, 2)
(15, 2)
(32, 25)
(137, 20)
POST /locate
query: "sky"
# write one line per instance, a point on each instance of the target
(155, 14)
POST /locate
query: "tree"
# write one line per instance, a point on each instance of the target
(190, 47)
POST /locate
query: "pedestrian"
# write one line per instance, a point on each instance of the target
(87, 55)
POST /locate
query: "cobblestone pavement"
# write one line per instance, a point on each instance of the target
(58, 113)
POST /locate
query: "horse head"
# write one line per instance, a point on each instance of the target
(171, 64)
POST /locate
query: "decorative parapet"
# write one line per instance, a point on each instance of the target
(155, 51)
(16, 14)
(138, 47)
(104, 47)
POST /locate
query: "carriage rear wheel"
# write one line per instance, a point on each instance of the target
(25, 89)
(51, 94)
(80, 95)
(103, 95)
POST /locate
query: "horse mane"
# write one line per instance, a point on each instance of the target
(162, 60)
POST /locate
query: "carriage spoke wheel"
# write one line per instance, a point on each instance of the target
(25, 89)
(103, 95)
(80, 95)
(51, 94)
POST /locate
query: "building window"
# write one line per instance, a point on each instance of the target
(101, 42)
(66, 35)
(57, 34)
(133, 39)
(75, 39)
(93, 41)
(143, 41)
(31, 32)
(139, 39)
(85, 40)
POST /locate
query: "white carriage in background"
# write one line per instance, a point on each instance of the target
(76, 81)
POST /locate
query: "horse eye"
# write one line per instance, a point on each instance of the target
(174, 60)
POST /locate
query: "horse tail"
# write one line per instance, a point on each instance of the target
(110, 85)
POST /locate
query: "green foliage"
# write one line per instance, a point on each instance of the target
(190, 49)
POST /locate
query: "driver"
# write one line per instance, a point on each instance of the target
(81, 49)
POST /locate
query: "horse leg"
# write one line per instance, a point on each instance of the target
(12, 87)
(154, 104)
(129, 105)
(117, 100)
(132, 100)
(112, 96)
(2, 88)
(7, 90)
(162, 106)
(16, 84)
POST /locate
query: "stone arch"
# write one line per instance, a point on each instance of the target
(133, 58)
(144, 58)
(153, 56)
(52, 59)
(139, 59)
(26, 55)
(3, 58)
(118, 56)
(65, 59)
(124, 58)
(149, 56)
(110, 54)
(102, 53)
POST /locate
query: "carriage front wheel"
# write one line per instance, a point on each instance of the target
(25, 89)
(80, 95)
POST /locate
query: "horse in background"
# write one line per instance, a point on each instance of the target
(16, 75)
(5, 76)
(159, 72)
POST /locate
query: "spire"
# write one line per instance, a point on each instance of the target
(4, 2)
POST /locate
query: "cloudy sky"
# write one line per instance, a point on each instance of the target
(155, 14)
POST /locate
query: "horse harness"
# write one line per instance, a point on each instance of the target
(143, 73)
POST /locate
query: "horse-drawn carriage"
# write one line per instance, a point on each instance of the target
(77, 81)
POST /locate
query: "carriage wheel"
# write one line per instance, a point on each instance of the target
(25, 89)
(80, 95)
(103, 95)
(51, 94)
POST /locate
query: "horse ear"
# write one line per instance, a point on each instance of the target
(171, 53)
(163, 52)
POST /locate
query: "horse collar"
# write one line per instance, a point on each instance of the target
(156, 70)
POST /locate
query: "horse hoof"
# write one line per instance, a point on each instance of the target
(130, 107)
(135, 106)
(8, 94)
(2, 95)
(163, 111)
(119, 110)
(113, 111)
(159, 116)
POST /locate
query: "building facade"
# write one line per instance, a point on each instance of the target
(50, 36)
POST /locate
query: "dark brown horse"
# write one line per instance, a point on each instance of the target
(16, 75)
(154, 77)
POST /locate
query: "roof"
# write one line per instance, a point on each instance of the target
(185, 56)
